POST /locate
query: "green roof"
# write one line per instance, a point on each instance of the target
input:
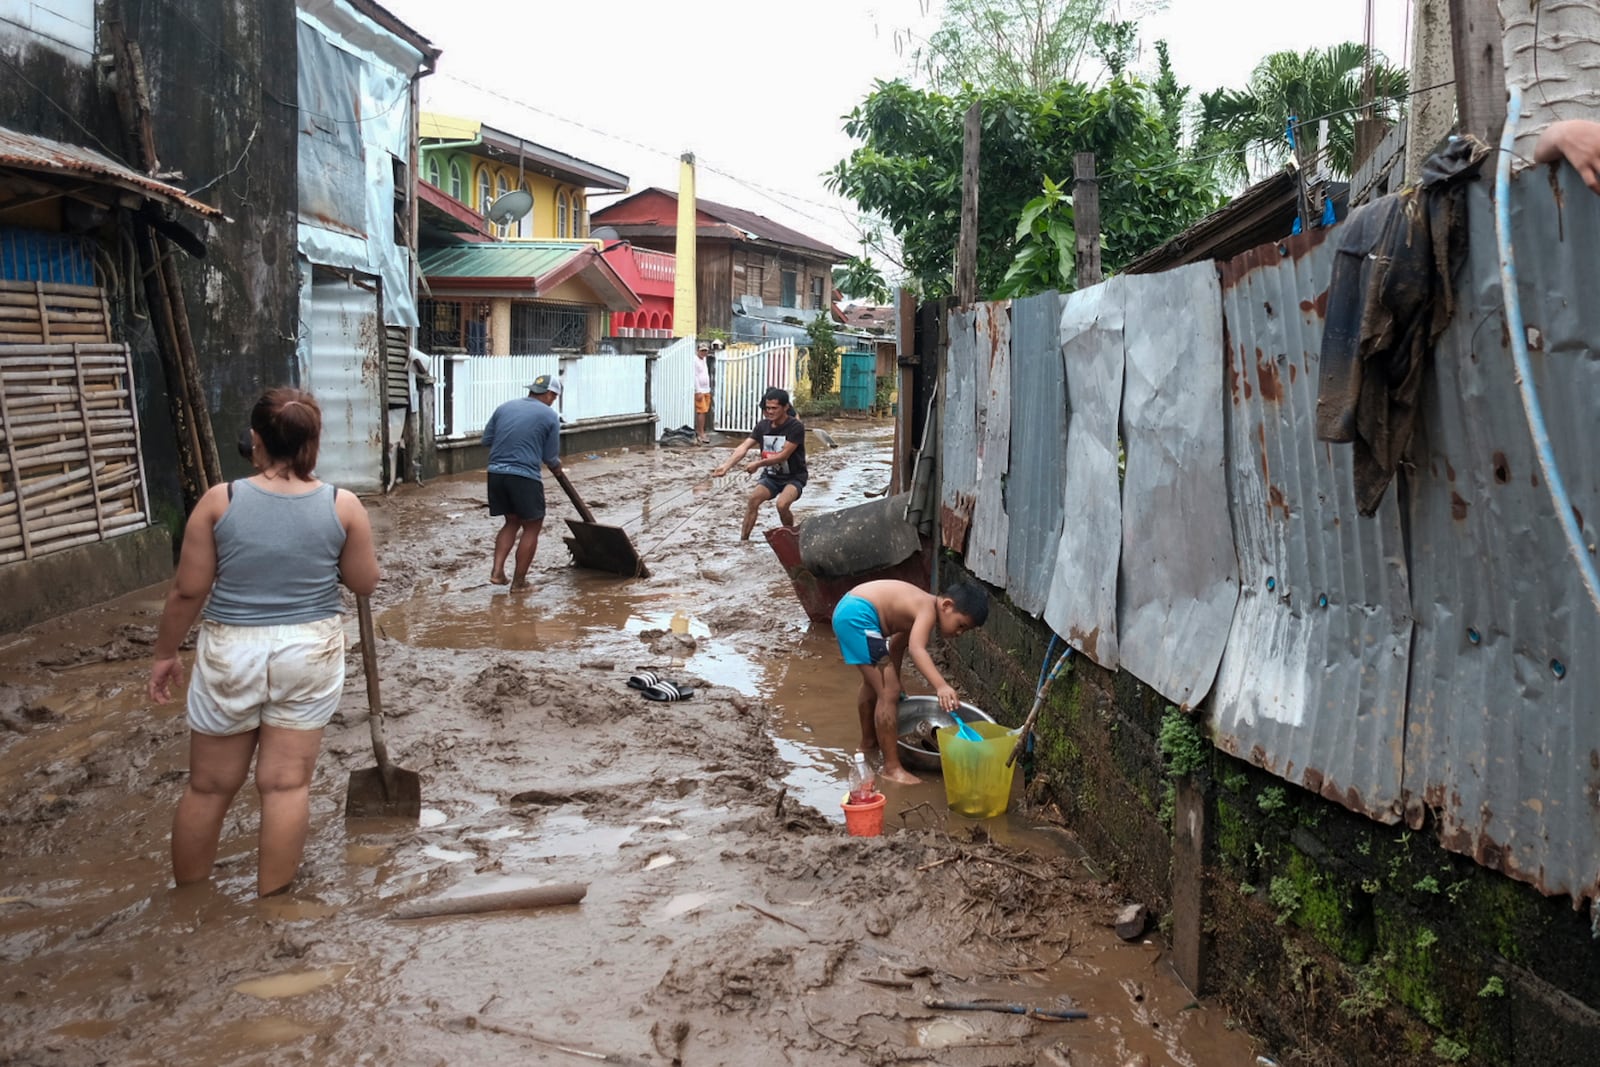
(509, 259)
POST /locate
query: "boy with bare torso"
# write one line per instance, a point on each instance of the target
(876, 623)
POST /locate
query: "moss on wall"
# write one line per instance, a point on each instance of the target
(1333, 936)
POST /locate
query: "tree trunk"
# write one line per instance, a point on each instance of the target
(1558, 67)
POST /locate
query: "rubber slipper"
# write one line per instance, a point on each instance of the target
(643, 680)
(667, 691)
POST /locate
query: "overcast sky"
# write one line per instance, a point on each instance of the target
(757, 90)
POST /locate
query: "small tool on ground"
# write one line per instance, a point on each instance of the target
(599, 547)
(384, 791)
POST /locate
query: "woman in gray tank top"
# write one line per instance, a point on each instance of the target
(263, 557)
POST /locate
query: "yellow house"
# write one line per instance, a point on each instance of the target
(477, 164)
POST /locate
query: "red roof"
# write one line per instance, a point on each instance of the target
(653, 212)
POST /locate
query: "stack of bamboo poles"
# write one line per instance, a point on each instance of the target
(70, 467)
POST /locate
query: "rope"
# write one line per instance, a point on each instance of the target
(714, 495)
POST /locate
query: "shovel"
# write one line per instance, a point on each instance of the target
(384, 791)
(601, 548)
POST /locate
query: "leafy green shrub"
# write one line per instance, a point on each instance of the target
(824, 356)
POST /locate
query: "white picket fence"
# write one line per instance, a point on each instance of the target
(672, 385)
(741, 379)
(606, 386)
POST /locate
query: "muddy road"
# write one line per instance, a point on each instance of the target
(728, 920)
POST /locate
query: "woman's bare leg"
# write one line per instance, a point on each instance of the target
(283, 778)
(218, 766)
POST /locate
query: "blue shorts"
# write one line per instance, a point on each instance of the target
(775, 485)
(861, 640)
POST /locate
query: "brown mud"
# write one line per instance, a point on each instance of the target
(729, 919)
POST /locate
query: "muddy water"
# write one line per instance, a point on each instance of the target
(727, 919)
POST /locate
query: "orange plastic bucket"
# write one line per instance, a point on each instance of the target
(864, 820)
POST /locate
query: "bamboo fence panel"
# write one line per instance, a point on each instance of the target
(70, 468)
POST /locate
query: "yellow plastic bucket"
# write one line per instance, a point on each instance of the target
(977, 782)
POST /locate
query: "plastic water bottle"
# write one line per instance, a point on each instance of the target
(862, 781)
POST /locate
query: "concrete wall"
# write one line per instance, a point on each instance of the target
(634, 431)
(1336, 939)
(38, 589)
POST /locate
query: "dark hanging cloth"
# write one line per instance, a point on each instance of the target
(1391, 295)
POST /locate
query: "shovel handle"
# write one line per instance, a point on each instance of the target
(572, 495)
(369, 661)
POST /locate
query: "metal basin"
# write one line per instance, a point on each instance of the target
(915, 715)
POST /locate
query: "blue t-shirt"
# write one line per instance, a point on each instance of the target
(522, 434)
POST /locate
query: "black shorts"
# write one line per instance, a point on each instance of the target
(513, 494)
(775, 485)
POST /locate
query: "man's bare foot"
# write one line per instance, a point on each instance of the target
(900, 775)
(521, 586)
(498, 579)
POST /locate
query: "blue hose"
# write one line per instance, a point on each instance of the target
(1519, 352)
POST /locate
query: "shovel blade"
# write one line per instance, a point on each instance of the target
(605, 548)
(374, 795)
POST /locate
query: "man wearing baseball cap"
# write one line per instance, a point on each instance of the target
(521, 435)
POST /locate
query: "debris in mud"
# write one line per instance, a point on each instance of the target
(669, 644)
(1131, 922)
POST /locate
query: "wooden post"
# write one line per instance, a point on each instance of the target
(1476, 44)
(967, 246)
(1086, 219)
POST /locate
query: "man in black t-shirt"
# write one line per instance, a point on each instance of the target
(781, 439)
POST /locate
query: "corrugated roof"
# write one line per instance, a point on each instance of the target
(510, 259)
(758, 227)
(528, 268)
(43, 155)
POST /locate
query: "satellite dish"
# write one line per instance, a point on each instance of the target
(509, 207)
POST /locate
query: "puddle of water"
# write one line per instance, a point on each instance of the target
(87, 1029)
(365, 855)
(499, 833)
(292, 983)
(298, 909)
(266, 1030)
(942, 1033)
(572, 835)
(447, 855)
(684, 903)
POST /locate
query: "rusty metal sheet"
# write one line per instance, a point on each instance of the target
(26, 151)
(344, 370)
(1503, 742)
(958, 438)
(1035, 487)
(1312, 685)
(1082, 605)
(1179, 578)
(986, 545)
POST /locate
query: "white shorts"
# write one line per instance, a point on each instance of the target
(290, 676)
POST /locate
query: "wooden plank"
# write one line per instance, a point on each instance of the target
(11, 455)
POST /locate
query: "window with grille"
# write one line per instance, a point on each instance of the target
(816, 294)
(580, 216)
(561, 215)
(439, 327)
(539, 328)
(787, 282)
(752, 280)
(485, 189)
(433, 172)
(455, 179)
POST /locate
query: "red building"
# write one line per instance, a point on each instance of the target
(650, 275)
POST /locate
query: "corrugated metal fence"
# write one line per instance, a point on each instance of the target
(1443, 665)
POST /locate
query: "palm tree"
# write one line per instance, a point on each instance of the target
(1250, 125)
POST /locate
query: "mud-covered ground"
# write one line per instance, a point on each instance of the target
(728, 917)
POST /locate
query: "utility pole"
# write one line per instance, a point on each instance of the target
(1431, 113)
(1086, 219)
(1476, 46)
(967, 245)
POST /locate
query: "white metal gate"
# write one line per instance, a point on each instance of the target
(742, 377)
(672, 385)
